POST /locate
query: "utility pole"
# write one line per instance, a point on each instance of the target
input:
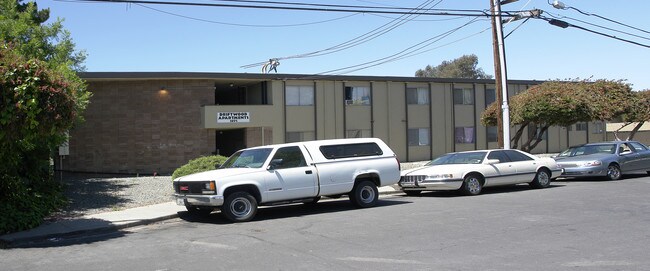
(497, 75)
(503, 116)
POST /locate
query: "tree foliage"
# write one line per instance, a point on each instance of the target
(638, 113)
(561, 103)
(462, 67)
(41, 97)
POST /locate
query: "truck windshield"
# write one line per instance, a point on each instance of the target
(253, 158)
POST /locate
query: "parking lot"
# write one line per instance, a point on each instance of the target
(574, 225)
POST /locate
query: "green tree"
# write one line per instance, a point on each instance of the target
(41, 97)
(462, 67)
(639, 113)
(557, 103)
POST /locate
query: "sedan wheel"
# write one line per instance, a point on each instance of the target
(472, 185)
(542, 179)
(613, 172)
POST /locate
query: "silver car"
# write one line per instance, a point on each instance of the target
(604, 159)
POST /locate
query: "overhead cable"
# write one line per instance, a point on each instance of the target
(246, 25)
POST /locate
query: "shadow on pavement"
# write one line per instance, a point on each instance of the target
(293, 210)
(92, 231)
(486, 191)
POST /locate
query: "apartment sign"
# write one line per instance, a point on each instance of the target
(233, 117)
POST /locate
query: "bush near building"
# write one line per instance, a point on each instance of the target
(200, 164)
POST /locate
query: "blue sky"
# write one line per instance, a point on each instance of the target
(130, 37)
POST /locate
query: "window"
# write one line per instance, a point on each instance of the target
(499, 155)
(490, 96)
(582, 126)
(300, 95)
(638, 146)
(463, 96)
(598, 128)
(464, 134)
(357, 95)
(358, 133)
(298, 136)
(350, 150)
(492, 134)
(418, 137)
(288, 157)
(516, 156)
(417, 96)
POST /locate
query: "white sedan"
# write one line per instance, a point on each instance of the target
(470, 171)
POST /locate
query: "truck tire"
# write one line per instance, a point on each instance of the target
(239, 207)
(364, 194)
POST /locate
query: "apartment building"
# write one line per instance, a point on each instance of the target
(146, 122)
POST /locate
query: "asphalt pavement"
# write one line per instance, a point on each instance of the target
(106, 222)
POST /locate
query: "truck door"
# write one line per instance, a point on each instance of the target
(289, 177)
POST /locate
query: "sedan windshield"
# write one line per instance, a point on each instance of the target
(589, 149)
(254, 158)
(458, 158)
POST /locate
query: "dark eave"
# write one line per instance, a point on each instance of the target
(111, 76)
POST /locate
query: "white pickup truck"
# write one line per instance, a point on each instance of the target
(291, 173)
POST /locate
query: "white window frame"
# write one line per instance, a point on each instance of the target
(468, 136)
(422, 135)
(299, 95)
(467, 96)
(357, 95)
(421, 95)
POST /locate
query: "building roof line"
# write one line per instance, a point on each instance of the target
(102, 76)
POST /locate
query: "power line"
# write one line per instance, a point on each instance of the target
(408, 52)
(466, 13)
(564, 24)
(368, 36)
(562, 6)
(244, 25)
(558, 16)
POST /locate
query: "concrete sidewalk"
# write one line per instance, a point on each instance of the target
(106, 222)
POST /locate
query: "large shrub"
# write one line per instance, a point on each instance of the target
(41, 97)
(199, 165)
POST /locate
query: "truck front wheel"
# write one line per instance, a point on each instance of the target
(364, 194)
(239, 207)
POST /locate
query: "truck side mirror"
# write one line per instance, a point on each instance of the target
(275, 163)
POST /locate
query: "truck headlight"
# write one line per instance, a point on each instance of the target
(209, 187)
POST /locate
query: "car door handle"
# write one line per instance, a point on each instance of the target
(308, 172)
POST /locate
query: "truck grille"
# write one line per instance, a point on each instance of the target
(189, 187)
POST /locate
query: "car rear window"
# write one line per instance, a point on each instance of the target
(350, 150)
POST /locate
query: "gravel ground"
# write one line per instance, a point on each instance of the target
(91, 194)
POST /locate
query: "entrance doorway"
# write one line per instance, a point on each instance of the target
(230, 141)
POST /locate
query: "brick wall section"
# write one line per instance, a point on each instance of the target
(133, 127)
